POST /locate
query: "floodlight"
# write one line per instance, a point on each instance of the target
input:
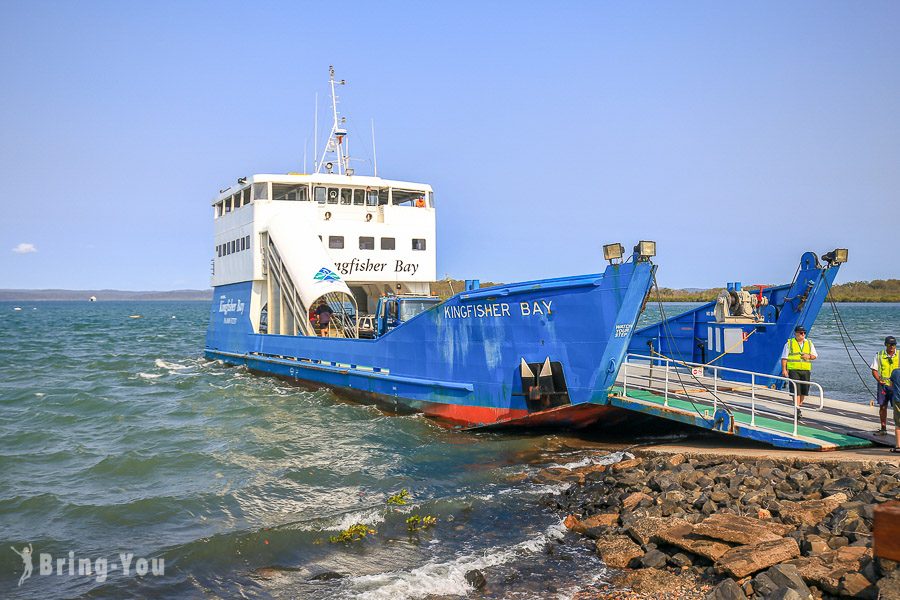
(613, 252)
(836, 257)
(645, 249)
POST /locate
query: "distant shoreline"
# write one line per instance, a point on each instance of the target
(875, 292)
(50, 295)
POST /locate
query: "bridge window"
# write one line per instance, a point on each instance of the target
(346, 196)
(260, 191)
(248, 242)
(408, 198)
(387, 243)
(418, 244)
(366, 243)
(321, 194)
(289, 191)
(371, 197)
(243, 243)
(383, 197)
(332, 195)
(359, 197)
(336, 242)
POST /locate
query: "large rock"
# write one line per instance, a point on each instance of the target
(826, 570)
(684, 538)
(626, 465)
(727, 590)
(740, 530)
(617, 551)
(654, 559)
(810, 512)
(856, 585)
(788, 576)
(582, 525)
(746, 560)
(647, 530)
(632, 500)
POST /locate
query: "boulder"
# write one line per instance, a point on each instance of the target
(626, 465)
(617, 551)
(727, 590)
(740, 530)
(856, 585)
(649, 529)
(788, 576)
(763, 585)
(746, 560)
(633, 500)
(557, 475)
(680, 560)
(784, 593)
(476, 579)
(674, 461)
(810, 512)
(654, 559)
(826, 570)
(815, 545)
(582, 525)
(684, 538)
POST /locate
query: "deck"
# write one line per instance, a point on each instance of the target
(703, 396)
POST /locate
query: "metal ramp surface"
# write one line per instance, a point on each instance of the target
(698, 395)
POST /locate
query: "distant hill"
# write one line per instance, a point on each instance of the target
(879, 290)
(102, 295)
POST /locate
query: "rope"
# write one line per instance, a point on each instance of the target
(668, 334)
(732, 347)
(839, 323)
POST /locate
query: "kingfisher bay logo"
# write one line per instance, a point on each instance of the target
(326, 275)
(100, 568)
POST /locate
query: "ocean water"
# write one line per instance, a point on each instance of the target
(117, 437)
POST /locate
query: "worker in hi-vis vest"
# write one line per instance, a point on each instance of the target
(883, 365)
(796, 363)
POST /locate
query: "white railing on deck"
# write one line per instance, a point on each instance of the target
(671, 365)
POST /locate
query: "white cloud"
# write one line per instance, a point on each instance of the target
(24, 248)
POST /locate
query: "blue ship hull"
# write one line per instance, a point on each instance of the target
(461, 361)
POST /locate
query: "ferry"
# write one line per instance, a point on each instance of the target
(326, 278)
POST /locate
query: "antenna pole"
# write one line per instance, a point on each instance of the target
(374, 154)
(316, 136)
(340, 151)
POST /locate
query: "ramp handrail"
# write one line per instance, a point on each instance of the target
(664, 361)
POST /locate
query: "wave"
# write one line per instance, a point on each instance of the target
(444, 578)
(149, 375)
(606, 459)
(162, 364)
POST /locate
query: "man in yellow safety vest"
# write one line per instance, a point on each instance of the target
(883, 365)
(796, 363)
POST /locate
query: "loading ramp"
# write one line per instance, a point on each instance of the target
(761, 409)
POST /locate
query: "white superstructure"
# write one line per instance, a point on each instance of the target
(377, 235)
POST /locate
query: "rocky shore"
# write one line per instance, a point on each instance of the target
(681, 526)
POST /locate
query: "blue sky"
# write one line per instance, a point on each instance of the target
(735, 135)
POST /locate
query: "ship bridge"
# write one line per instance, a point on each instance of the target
(301, 239)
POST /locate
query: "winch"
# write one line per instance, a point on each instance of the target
(735, 304)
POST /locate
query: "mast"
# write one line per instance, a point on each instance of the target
(335, 144)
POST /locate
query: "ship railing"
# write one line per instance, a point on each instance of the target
(643, 372)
